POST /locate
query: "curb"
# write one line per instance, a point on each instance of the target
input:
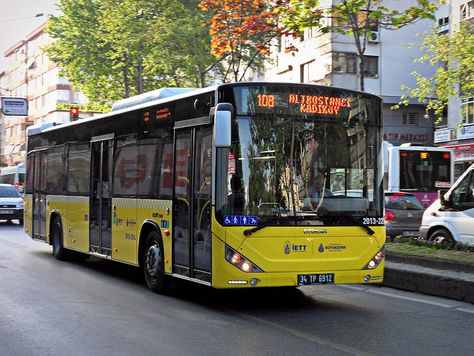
(431, 263)
(446, 284)
(447, 279)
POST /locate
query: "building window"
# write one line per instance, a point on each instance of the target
(343, 62)
(443, 21)
(468, 110)
(410, 119)
(371, 66)
(310, 32)
(306, 71)
(467, 10)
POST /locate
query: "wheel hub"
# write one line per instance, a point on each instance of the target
(153, 261)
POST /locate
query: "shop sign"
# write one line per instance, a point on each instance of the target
(463, 152)
(442, 135)
(466, 132)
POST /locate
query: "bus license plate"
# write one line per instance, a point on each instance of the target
(307, 279)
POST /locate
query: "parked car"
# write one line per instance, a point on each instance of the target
(451, 217)
(11, 203)
(403, 214)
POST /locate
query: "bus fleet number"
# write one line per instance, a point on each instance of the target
(373, 221)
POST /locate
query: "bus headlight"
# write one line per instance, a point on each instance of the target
(240, 261)
(375, 261)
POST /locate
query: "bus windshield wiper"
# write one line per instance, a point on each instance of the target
(351, 218)
(249, 232)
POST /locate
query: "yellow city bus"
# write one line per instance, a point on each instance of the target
(228, 186)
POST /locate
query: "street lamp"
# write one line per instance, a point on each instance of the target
(40, 14)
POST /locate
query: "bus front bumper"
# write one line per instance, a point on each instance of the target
(292, 279)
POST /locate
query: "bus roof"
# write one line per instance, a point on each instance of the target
(165, 95)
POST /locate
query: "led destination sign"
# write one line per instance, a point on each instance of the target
(308, 104)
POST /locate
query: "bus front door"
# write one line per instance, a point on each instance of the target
(39, 196)
(100, 221)
(192, 204)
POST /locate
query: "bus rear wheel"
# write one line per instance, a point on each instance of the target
(154, 264)
(57, 236)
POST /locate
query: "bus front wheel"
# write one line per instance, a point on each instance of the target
(57, 235)
(154, 264)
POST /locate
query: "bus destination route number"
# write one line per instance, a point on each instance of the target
(308, 279)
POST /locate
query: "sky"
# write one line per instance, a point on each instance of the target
(17, 20)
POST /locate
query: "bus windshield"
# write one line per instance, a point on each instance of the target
(301, 163)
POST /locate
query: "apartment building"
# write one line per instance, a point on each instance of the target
(331, 59)
(30, 74)
(458, 131)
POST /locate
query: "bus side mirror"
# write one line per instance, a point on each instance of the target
(222, 125)
(444, 203)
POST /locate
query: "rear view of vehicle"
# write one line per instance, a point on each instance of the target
(420, 170)
(14, 175)
(403, 214)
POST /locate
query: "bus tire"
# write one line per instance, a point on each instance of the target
(441, 237)
(154, 264)
(57, 240)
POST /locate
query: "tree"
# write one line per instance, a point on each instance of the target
(241, 32)
(112, 49)
(453, 55)
(185, 40)
(357, 18)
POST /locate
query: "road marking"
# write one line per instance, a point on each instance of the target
(411, 299)
(470, 311)
(418, 300)
(353, 287)
(312, 338)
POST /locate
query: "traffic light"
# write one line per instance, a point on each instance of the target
(73, 113)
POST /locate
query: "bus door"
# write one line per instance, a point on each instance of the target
(39, 195)
(192, 204)
(100, 222)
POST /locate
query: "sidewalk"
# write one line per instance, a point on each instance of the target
(440, 278)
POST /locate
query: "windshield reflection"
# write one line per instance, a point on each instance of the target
(293, 167)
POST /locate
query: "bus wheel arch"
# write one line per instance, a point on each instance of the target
(151, 259)
(56, 237)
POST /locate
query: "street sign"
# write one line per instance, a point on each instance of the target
(14, 106)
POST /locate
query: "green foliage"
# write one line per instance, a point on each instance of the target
(112, 49)
(458, 246)
(454, 56)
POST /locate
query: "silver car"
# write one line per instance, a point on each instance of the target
(403, 214)
(11, 203)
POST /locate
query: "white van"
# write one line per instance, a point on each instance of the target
(451, 217)
(14, 175)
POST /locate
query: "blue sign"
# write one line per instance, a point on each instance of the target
(240, 220)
